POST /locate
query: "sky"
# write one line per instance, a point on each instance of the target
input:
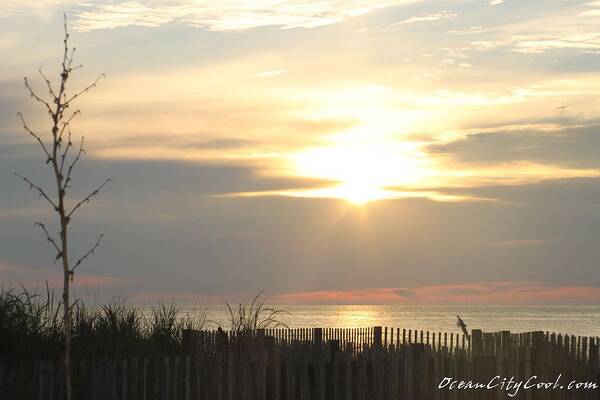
(403, 152)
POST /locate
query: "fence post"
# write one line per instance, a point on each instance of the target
(189, 341)
(317, 344)
(476, 342)
(317, 336)
(377, 336)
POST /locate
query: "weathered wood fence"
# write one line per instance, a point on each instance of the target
(323, 364)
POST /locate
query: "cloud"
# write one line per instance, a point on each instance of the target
(237, 235)
(468, 31)
(269, 74)
(157, 214)
(524, 242)
(579, 41)
(496, 2)
(30, 277)
(154, 182)
(571, 147)
(40, 7)
(180, 126)
(224, 15)
(593, 11)
(560, 28)
(496, 293)
(427, 18)
(22, 211)
(565, 192)
(487, 45)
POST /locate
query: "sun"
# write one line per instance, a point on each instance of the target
(363, 172)
(359, 193)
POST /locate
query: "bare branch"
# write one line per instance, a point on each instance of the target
(32, 133)
(63, 156)
(39, 189)
(88, 197)
(50, 239)
(70, 59)
(48, 84)
(66, 124)
(66, 42)
(85, 256)
(87, 89)
(75, 160)
(38, 98)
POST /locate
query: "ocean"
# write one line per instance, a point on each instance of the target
(572, 320)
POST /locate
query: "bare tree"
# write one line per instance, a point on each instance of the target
(62, 158)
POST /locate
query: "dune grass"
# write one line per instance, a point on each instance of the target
(31, 325)
(247, 318)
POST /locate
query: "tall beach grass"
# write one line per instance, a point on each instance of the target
(31, 325)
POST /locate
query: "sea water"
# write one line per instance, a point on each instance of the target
(572, 320)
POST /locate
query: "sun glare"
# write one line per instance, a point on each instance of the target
(360, 192)
(364, 171)
(372, 159)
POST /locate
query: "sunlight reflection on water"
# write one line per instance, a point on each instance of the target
(575, 320)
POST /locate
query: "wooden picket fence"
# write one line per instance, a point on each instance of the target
(322, 364)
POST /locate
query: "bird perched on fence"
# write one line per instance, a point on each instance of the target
(460, 323)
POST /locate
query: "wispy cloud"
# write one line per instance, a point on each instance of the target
(467, 31)
(496, 2)
(427, 18)
(486, 45)
(469, 293)
(572, 27)
(225, 15)
(269, 74)
(13, 274)
(580, 41)
(594, 10)
(39, 7)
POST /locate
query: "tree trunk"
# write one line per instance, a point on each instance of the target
(66, 310)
